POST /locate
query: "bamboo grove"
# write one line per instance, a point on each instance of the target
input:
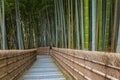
(77, 24)
(24, 23)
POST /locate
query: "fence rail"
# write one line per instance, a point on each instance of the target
(86, 65)
(13, 63)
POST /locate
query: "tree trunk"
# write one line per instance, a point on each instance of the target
(103, 24)
(3, 28)
(19, 31)
(82, 24)
(93, 23)
(77, 26)
(64, 25)
(117, 38)
(114, 26)
(86, 23)
(56, 22)
(69, 39)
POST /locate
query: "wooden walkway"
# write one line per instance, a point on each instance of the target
(43, 69)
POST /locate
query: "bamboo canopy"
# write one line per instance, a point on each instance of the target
(77, 24)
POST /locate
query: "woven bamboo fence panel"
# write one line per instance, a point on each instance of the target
(88, 65)
(43, 51)
(13, 63)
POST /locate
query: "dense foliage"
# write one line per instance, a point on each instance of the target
(78, 24)
(32, 15)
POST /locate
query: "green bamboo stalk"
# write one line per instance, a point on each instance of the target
(20, 40)
(86, 23)
(93, 24)
(3, 28)
(103, 24)
(100, 26)
(82, 24)
(64, 26)
(56, 25)
(71, 24)
(117, 29)
(114, 27)
(77, 26)
(61, 24)
(107, 24)
(69, 34)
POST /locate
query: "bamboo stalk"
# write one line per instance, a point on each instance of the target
(114, 27)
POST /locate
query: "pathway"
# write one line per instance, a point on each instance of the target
(43, 69)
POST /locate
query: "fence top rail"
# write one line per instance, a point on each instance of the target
(6, 52)
(86, 51)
